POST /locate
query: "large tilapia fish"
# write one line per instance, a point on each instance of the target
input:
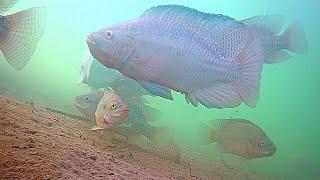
(211, 58)
(20, 33)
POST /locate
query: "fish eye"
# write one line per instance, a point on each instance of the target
(86, 99)
(108, 34)
(113, 105)
(262, 143)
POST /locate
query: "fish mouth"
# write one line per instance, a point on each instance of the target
(270, 152)
(99, 54)
(90, 40)
(126, 112)
(91, 43)
(121, 112)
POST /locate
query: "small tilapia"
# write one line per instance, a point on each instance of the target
(211, 58)
(20, 32)
(240, 137)
(111, 111)
(139, 116)
(87, 104)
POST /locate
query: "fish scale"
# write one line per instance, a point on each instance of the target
(208, 59)
(212, 65)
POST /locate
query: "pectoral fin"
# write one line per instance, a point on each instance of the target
(96, 128)
(157, 90)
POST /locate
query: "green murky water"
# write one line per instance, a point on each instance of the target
(288, 109)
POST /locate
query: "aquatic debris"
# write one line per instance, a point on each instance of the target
(213, 59)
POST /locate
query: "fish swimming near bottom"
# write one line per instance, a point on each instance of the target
(139, 116)
(111, 111)
(239, 137)
(20, 32)
(87, 104)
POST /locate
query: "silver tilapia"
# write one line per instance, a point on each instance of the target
(211, 58)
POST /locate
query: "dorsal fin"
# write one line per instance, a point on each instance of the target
(227, 122)
(271, 23)
(187, 15)
(5, 5)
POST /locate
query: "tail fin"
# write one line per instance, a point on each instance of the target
(296, 40)
(5, 5)
(206, 134)
(24, 31)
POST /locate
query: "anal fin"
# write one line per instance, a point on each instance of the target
(221, 96)
(277, 57)
(191, 99)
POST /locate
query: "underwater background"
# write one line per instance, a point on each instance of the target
(288, 109)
